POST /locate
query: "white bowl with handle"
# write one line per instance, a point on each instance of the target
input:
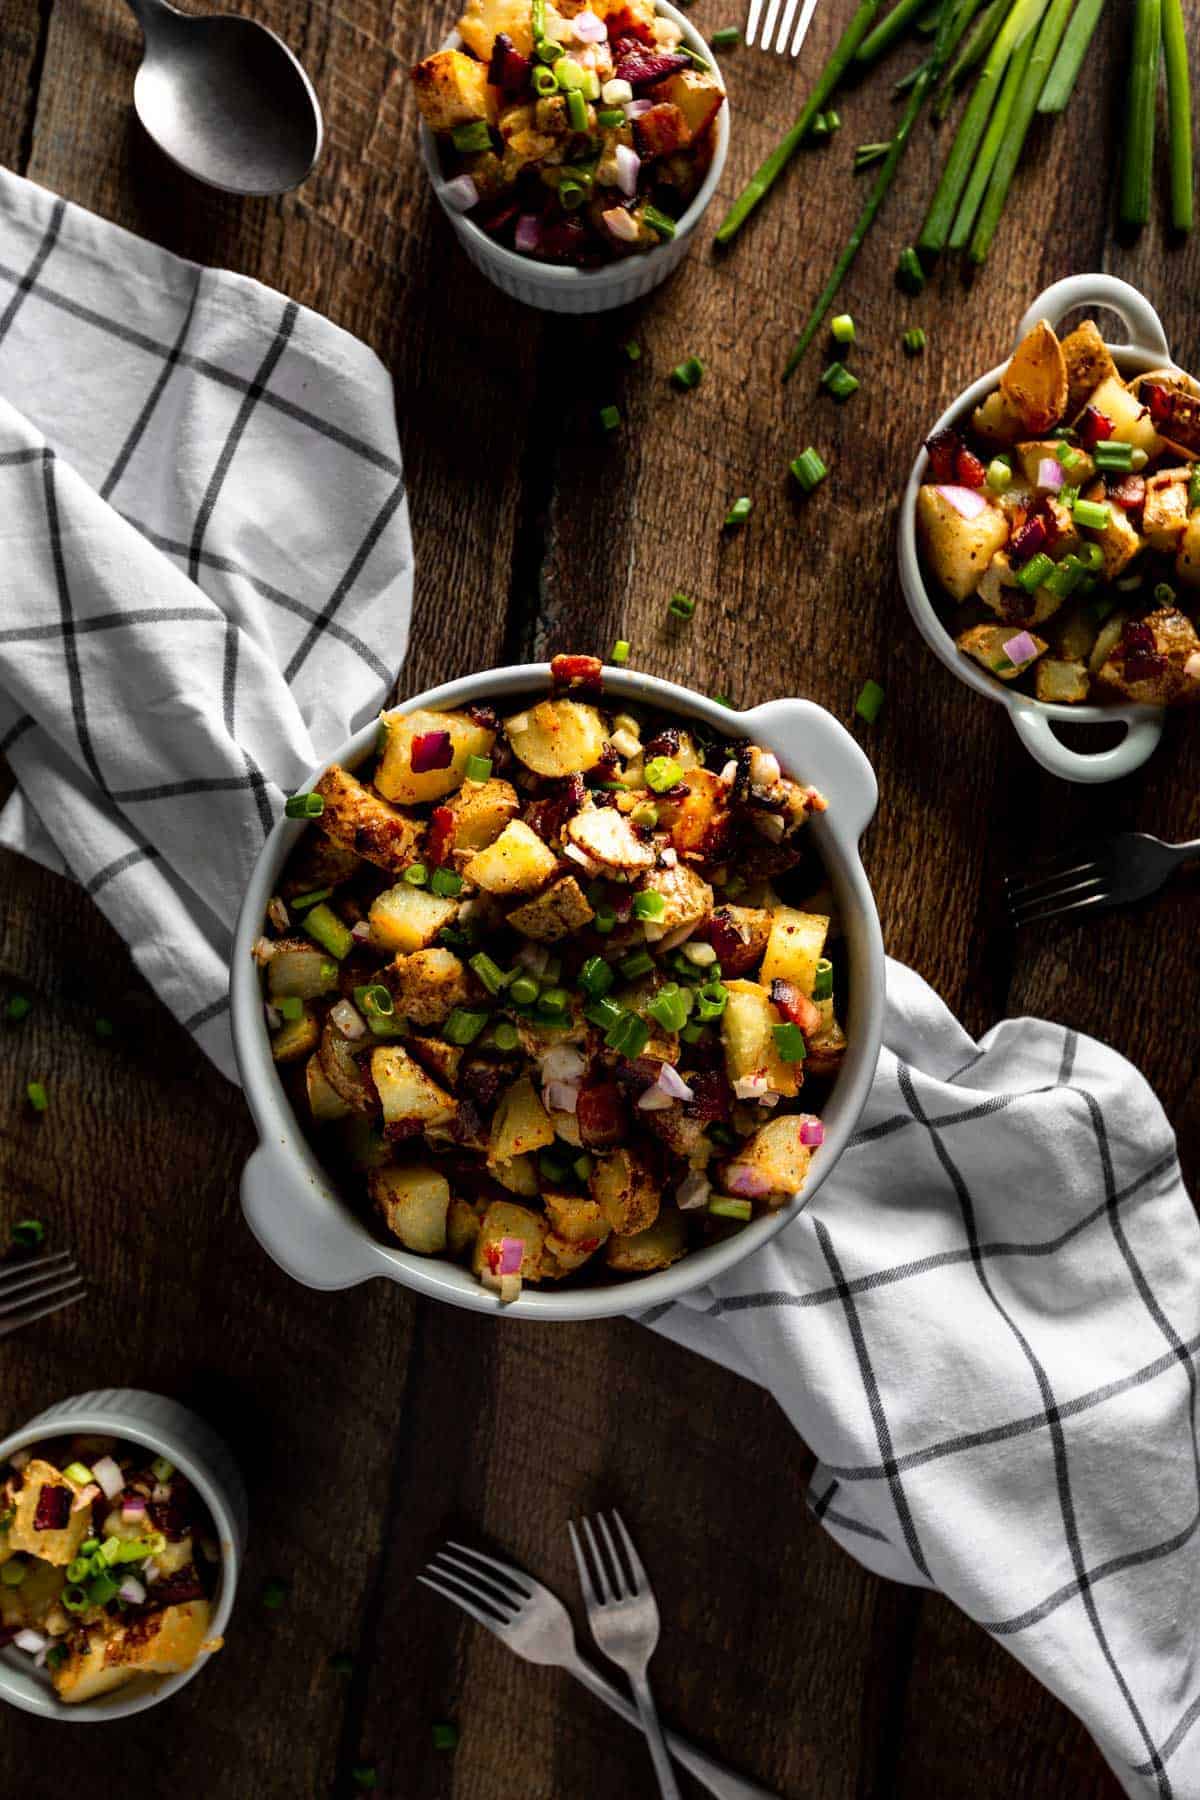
(554, 287)
(1032, 719)
(293, 1206)
(169, 1430)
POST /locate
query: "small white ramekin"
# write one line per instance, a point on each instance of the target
(169, 1430)
(554, 288)
(294, 1208)
(1147, 349)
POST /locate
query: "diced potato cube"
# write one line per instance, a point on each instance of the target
(1106, 641)
(408, 918)
(1075, 633)
(997, 421)
(747, 1037)
(61, 1544)
(957, 550)
(1062, 683)
(427, 985)
(480, 811)
(520, 1123)
(359, 819)
(774, 1155)
(518, 1175)
(576, 1217)
(415, 1203)
(697, 95)
(986, 644)
(625, 1190)
(1120, 540)
(1131, 421)
(296, 1038)
(699, 820)
(324, 1101)
(561, 1257)
(410, 1098)
(560, 911)
(395, 777)
(606, 835)
(827, 1045)
(462, 1227)
(1035, 381)
(688, 900)
(482, 20)
(442, 1060)
(1088, 364)
(660, 1245)
(1173, 679)
(1165, 514)
(504, 1219)
(661, 132)
(516, 863)
(111, 1653)
(794, 947)
(557, 737)
(1002, 592)
(451, 89)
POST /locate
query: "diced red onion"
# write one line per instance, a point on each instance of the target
(563, 1063)
(561, 1096)
(133, 1507)
(693, 1191)
(749, 1087)
(39, 1661)
(32, 1641)
(274, 1017)
(85, 1496)
(430, 750)
(968, 502)
(461, 194)
(1051, 473)
(108, 1473)
(745, 1181)
(512, 1252)
(132, 1591)
(637, 109)
(588, 28)
(528, 236)
(1021, 648)
(672, 1082)
(812, 1134)
(622, 224)
(360, 931)
(628, 166)
(277, 912)
(348, 1019)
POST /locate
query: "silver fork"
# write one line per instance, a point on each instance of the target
(624, 1623)
(32, 1290)
(534, 1623)
(785, 24)
(1113, 871)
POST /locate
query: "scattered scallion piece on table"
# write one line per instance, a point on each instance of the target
(869, 702)
(866, 154)
(908, 82)
(687, 374)
(681, 606)
(989, 149)
(35, 1093)
(978, 43)
(808, 469)
(632, 350)
(833, 119)
(739, 512)
(727, 38)
(1179, 115)
(1137, 163)
(842, 329)
(914, 341)
(28, 1233)
(769, 171)
(610, 418)
(274, 1593)
(839, 381)
(889, 31)
(1033, 80)
(445, 1737)
(620, 652)
(19, 1007)
(1064, 73)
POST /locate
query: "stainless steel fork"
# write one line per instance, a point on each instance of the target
(1112, 871)
(534, 1623)
(623, 1615)
(32, 1290)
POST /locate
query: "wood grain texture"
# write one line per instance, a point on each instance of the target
(372, 1426)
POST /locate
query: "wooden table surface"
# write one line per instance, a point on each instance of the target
(370, 1424)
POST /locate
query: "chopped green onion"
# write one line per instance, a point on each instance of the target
(869, 702)
(645, 814)
(374, 1001)
(1035, 571)
(577, 118)
(1093, 515)
(102, 1589)
(866, 154)
(1064, 72)
(303, 902)
(833, 120)
(89, 1546)
(35, 1092)
(56, 1656)
(739, 512)
(889, 30)
(326, 929)
(79, 1569)
(463, 1026)
(19, 1007)
(1065, 577)
(416, 874)
(74, 1597)
(681, 606)
(490, 973)
(610, 418)
(808, 469)
(552, 1167)
(1113, 453)
(291, 1007)
(620, 653)
(471, 137)
(710, 1002)
(669, 1008)
(612, 118)
(445, 883)
(649, 905)
(27, 1234)
(909, 273)
(274, 1593)
(603, 1013)
(638, 962)
(662, 773)
(726, 38)
(524, 990)
(789, 1043)
(722, 1207)
(1164, 594)
(544, 83)
(628, 1036)
(13, 1572)
(823, 980)
(633, 350)
(658, 221)
(305, 806)
(548, 52)
(596, 977)
(688, 374)
(605, 920)
(1194, 488)
(839, 381)
(479, 768)
(554, 999)
(1091, 556)
(506, 1036)
(914, 341)
(79, 1473)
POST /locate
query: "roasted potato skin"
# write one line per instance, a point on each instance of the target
(1088, 363)
(1034, 384)
(957, 550)
(359, 820)
(1172, 668)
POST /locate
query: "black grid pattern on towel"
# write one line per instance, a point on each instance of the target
(1046, 1422)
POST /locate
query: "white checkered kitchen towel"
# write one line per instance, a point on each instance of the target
(986, 1326)
(205, 574)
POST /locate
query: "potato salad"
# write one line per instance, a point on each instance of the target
(108, 1562)
(571, 133)
(1064, 518)
(554, 987)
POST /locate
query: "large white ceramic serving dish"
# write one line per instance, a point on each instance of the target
(169, 1430)
(293, 1206)
(1147, 349)
(559, 289)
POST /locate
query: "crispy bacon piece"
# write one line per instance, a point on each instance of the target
(968, 469)
(712, 1095)
(582, 672)
(1093, 427)
(176, 1516)
(1138, 651)
(795, 1005)
(549, 814)
(53, 1510)
(508, 69)
(734, 953)
(943, 450)
(481, 1078)
(601, 1115)
(173, 1590)
(1160, 400)
(1129, 492)
(663, 743)
(441, 835)
(1028, 541)
(640, 67)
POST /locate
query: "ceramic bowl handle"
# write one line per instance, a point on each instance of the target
(313, 1242)
(1142, 733)
(1140, 319)
(817, 749)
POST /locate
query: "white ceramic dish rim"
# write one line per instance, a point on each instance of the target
(1031, 718)
(557, 276)
(25, 1687)
(294, 1208)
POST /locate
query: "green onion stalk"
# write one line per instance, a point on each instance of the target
(944, 206)
(993, 138)
(1179, 115)
(983, 33)
(885, 34)
(768, 172)
(1137, 168)
(1060, 83)
(1033, 81)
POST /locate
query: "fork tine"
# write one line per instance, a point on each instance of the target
(1015, 887)
(590, 1598)
(1058, 893)
(810, 7)
(752, 21)
(603, 1573)
(516, 1576)
(1056, 912)
(9, 1325)
(49, 1288)
(636, 1569)
(444, 1564)
(619, 1574)
(10, 1272)
(785, 26)
(481, 1618)
(472, 1593)
(28, 1278)
(768, 31)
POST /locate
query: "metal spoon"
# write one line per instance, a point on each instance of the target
(225, 99)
